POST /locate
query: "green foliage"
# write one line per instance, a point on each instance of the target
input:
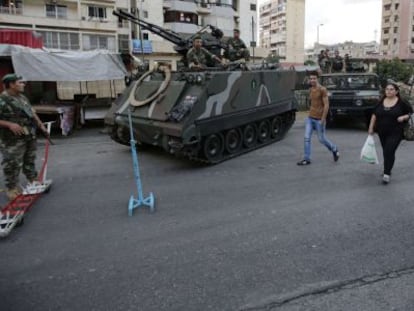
(309, 62)
(272, 59)
(395, 70)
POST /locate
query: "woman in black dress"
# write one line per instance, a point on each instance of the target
(388, 120)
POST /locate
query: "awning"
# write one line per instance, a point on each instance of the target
(146, 47)
(41, 65)
(28, 38)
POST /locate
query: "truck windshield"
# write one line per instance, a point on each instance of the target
(350, 82)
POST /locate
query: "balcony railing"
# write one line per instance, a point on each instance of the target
(11, 10)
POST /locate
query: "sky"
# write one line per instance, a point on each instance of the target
(343, 20)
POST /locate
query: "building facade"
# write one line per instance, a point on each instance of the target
(89, 24)
(282, 29)
(397, 29)
(353, 49)
(69, 24)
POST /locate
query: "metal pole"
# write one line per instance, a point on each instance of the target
(140, 33)
(317, 33)
(253, 37)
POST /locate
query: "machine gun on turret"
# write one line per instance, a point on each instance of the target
(211, 39)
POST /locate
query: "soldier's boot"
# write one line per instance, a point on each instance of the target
(13, 193)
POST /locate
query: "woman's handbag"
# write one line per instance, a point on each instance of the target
(409, 129)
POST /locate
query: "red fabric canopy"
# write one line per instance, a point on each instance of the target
(22, 37)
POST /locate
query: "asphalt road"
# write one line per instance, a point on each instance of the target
(253, 233)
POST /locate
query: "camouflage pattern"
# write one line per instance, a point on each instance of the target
(198, 107)
(18, 152)
(199, 56)
(236, 50)
(208, 116)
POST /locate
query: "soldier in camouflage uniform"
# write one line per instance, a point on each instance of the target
(18, 122)
(197, 56)
(236, 49)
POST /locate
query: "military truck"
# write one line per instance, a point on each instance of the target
(209, 115)
(351, 94)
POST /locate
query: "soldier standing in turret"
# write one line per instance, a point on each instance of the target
(198, 56)
(236, 49)
(337, 63)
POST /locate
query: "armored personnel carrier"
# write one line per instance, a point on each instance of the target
(209, 115)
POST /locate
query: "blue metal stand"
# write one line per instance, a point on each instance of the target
(140, 201)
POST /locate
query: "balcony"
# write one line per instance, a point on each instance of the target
(204, 8)
(45, 22)
(11, 10)
(181, 6)
(277, 39)
(185, 28)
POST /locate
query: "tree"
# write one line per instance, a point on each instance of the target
(309, 62)
(272, 58)
(395, 70)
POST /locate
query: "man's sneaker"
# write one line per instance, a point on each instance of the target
(303, 162)
(13, 193)
(386, 179)
(335, 155)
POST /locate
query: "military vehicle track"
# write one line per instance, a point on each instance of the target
(221, 146)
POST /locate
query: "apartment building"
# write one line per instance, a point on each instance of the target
(397, 29)
(186, 17)
(353, 49)
(69, 24)
(89, 24)
(282, 29)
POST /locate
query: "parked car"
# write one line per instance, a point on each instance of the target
(351, 94)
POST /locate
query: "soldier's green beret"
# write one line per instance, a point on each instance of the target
(11, 77)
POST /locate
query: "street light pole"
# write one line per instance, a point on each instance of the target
(317, 33)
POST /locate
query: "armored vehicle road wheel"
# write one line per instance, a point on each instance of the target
(213, 147)
(264, 131)
(276, 131)
(249, 135)
(233, 140)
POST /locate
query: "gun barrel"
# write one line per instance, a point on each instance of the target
(163, 33)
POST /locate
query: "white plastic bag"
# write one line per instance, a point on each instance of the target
(368, 152)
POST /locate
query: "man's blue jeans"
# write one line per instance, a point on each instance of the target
(312, 124)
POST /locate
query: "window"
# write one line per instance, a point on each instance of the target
(97, 12)
(385, 42)
(386, 31)
(395, 29)
(60, 40)
(123, 43)
(56, 11)
(98, 42)
(145, 36)
(145, 14)
(253, 7)
(180, 17)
